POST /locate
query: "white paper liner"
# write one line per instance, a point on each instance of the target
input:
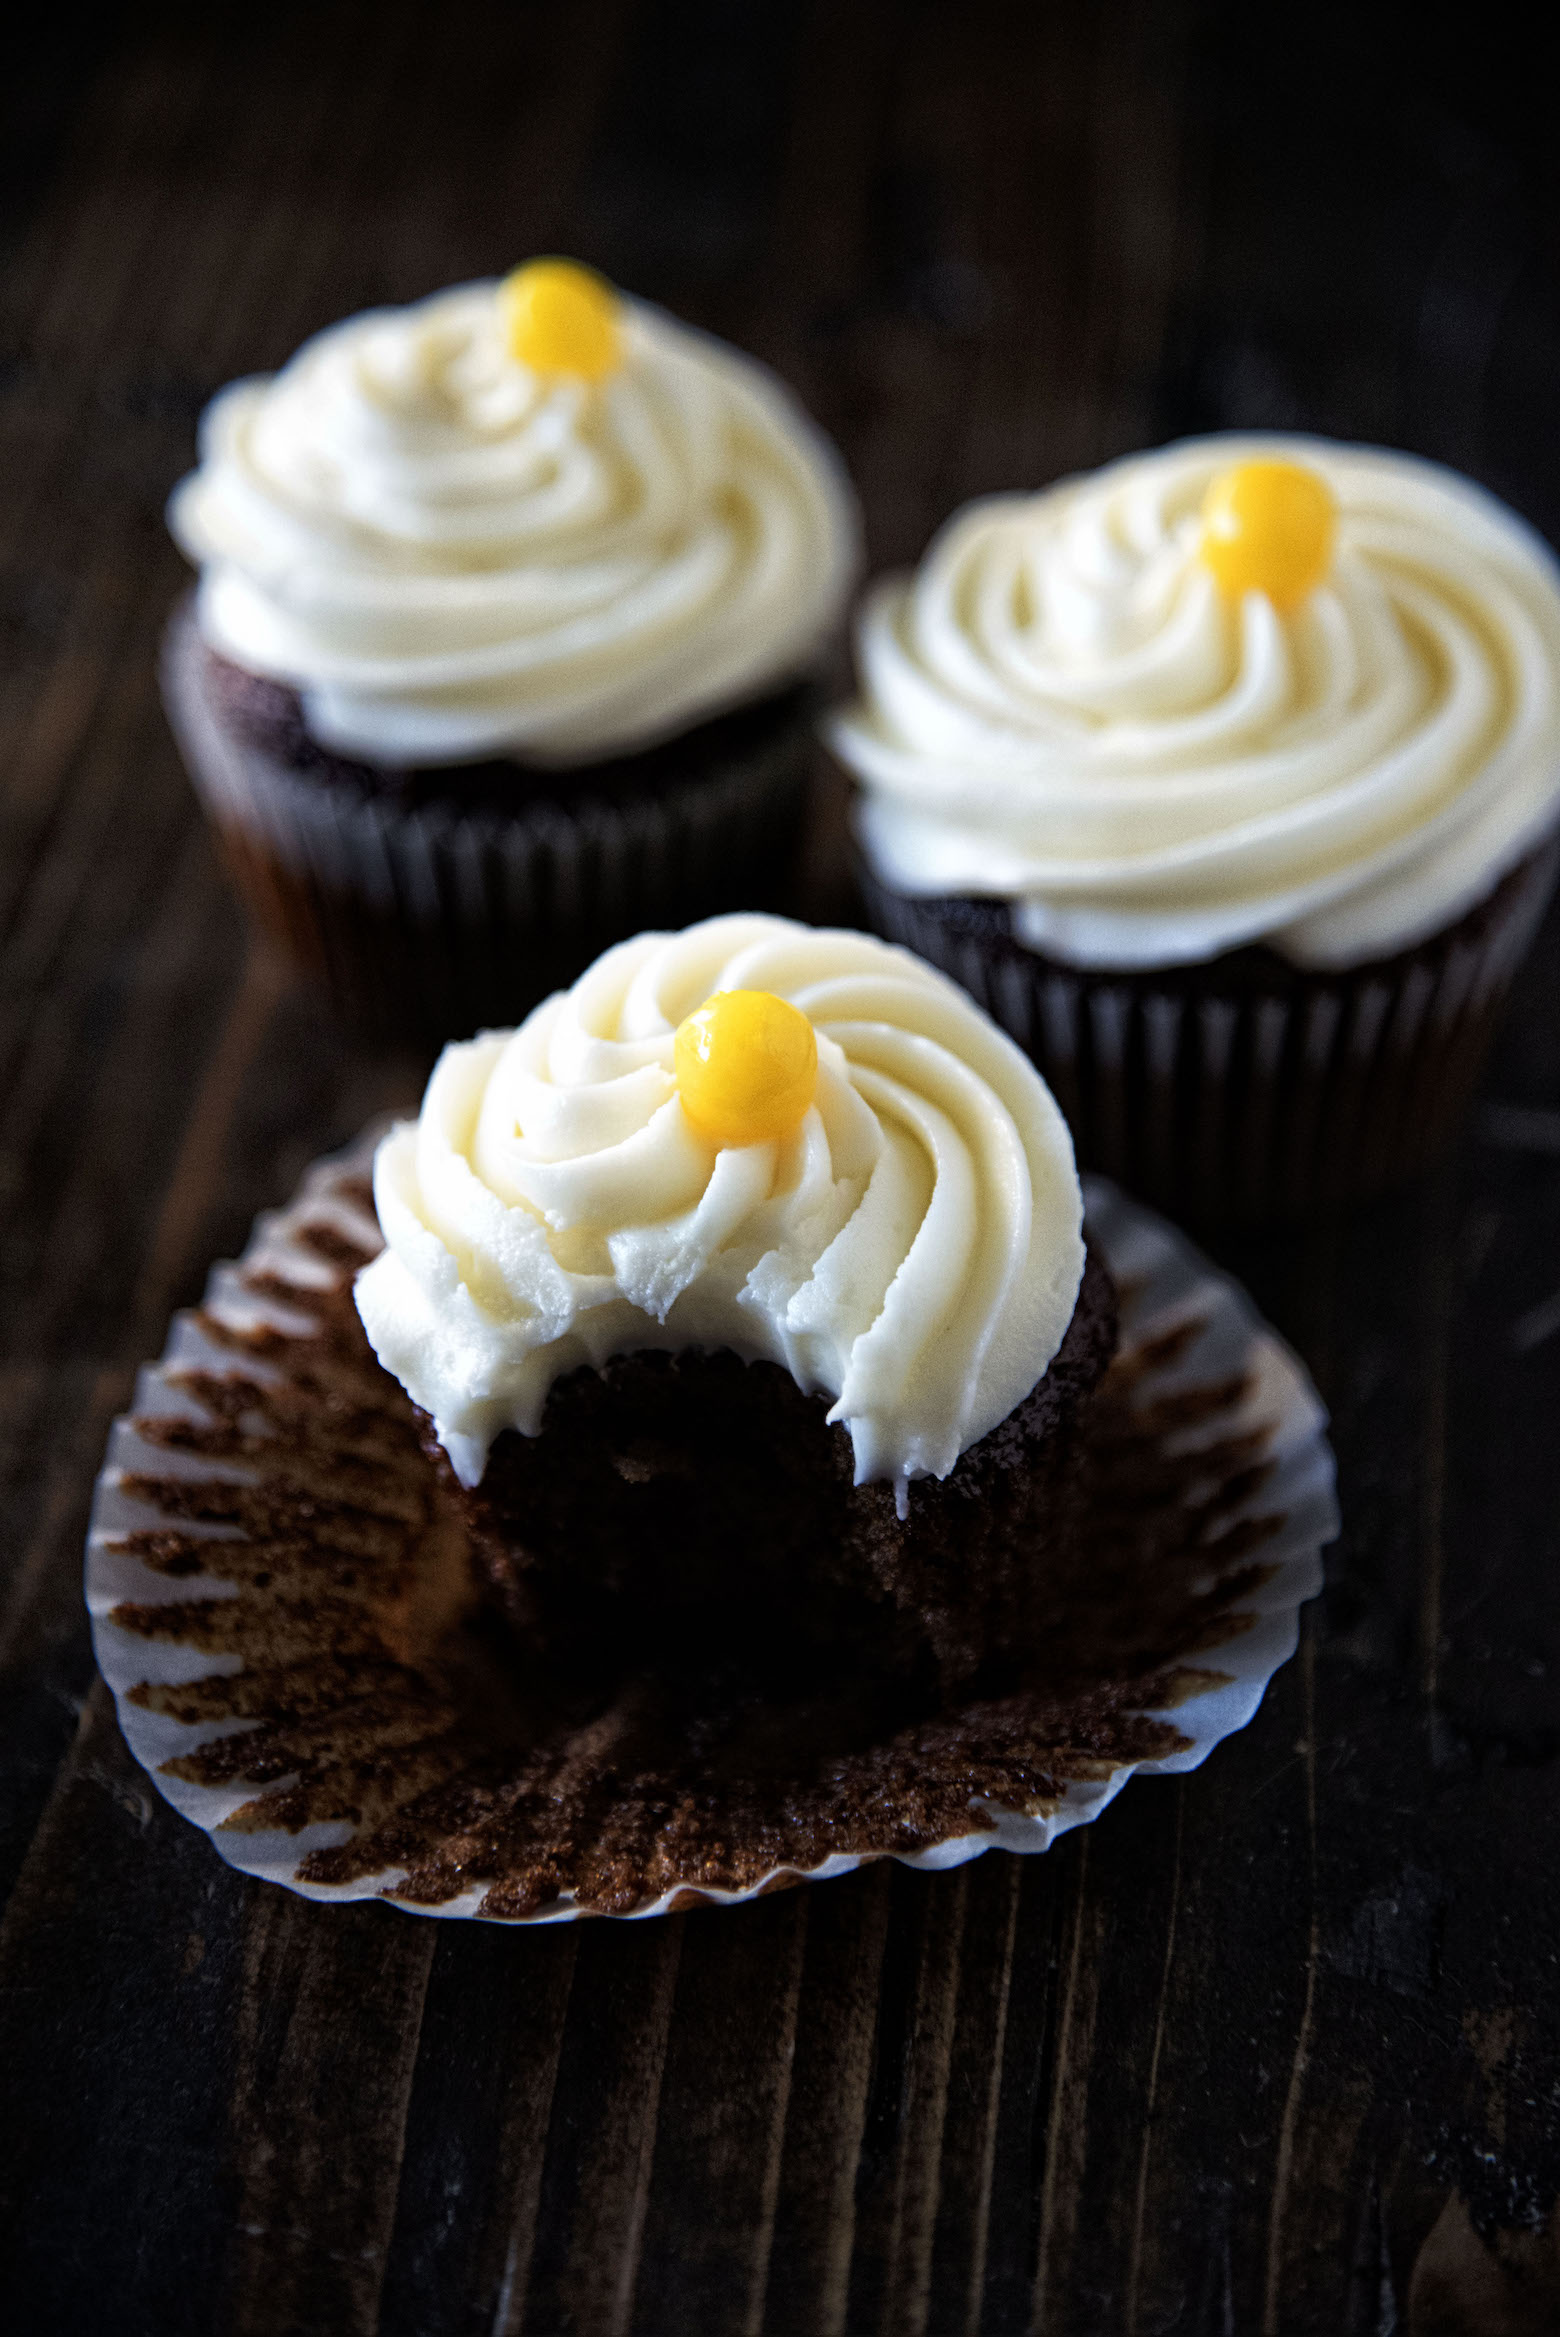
(1163, 1282)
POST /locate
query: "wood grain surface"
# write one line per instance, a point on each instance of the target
(1274, 2047)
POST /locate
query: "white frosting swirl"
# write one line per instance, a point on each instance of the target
(1062, 710)
(915, 1249)
(452, 557)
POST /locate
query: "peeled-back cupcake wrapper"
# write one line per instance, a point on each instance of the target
(281, 1606)
(1237, 1102)
(436, 920)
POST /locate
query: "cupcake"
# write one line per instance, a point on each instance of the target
(281, 1601)
(1227, 778)
(510, 613)
(743, 1296)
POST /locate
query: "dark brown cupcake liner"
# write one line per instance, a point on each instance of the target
(281, 1604)
(1247, 1090)
(432, 921)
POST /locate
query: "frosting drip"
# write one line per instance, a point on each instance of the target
(1061, 709)
(914, 1249)
(452, 557)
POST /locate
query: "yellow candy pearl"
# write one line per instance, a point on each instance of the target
(1268, 527)
(746, 1064)
(561, 318)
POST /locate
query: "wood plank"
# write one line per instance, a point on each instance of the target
(120, 1967)
(831, 2076)
(897, 2170)
(722, 2119)
(325, 2043)
(477, 2131)
(601, 2141)
(45, 1654)
(967, 2164)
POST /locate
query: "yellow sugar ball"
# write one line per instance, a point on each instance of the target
(747, 1064)
(1268, 527)
(561, 318)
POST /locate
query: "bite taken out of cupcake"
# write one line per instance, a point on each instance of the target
(744, 1294)
(511, 610)
(1228, 778)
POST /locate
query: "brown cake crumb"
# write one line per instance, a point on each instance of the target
(690, 1508)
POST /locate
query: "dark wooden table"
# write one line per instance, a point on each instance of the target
(1274, 2047)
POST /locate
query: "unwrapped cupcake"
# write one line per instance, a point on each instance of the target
(510, 613)
(744, 1297)
(1228, 779)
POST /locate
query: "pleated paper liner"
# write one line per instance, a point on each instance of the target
(435, 921)
(281, 1604)
(1246, 1090)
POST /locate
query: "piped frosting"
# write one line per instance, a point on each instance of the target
(452, 555)
(914, 1249)
(1063, 709)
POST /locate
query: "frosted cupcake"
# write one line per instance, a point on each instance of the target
(744, 1296)
(510, 609)
(1228, 778)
